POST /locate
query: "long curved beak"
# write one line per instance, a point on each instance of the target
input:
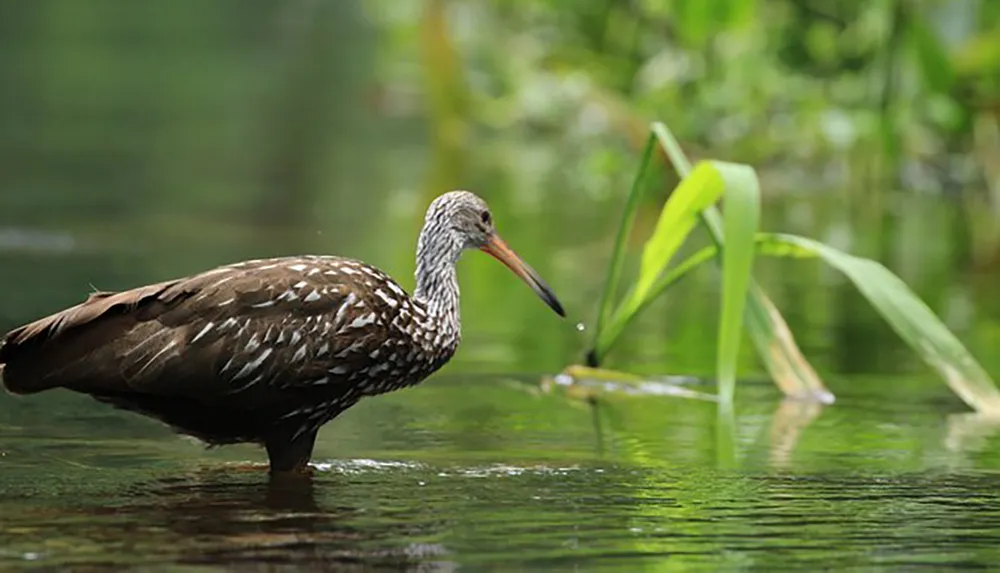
(496, 247)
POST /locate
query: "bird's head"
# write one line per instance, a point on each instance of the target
(462, 220)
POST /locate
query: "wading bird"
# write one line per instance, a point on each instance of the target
(265, 351)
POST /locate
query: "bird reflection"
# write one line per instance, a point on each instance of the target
(208, 517)
(211, 489)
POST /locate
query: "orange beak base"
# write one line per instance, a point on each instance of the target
(497, 248)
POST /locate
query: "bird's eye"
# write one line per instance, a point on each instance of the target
(485, 217)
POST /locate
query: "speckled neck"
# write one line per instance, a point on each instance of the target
(438, 250)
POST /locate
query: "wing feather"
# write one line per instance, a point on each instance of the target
(295, 323)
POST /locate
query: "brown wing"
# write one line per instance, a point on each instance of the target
(293, 324)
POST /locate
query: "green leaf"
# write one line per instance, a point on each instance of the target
(775, 344)
(624, 228)
(909, 317)
(680, 214)
(677, 219)
(913, 320)
(740, 220)
(607, 337)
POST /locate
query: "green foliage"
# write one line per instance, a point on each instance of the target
(770, 333)
(913, 320)
(908, 315)
(679, 216)
(699, 189)
(753, 81)
(740, 220)
(932, 58)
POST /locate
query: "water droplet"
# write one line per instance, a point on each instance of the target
(580, 327)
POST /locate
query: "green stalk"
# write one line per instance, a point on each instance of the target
(618, 255)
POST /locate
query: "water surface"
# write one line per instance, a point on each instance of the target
(473, 472)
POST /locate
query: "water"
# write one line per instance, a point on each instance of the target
(478, 472)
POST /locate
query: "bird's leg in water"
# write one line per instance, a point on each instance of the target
(288, 455)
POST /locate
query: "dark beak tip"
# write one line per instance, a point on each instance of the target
(545, 293)
(556, 306)
(496, 248)
(549, 297)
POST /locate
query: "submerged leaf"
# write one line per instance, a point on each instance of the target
(590, 383)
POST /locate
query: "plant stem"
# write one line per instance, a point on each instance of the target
(618, 255)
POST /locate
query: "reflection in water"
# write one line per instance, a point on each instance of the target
(277, 521)
(642, 500)
(213, 517)
(969, 432)
(790, 419)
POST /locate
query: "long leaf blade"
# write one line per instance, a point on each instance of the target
(677, 219)
(680, 214)
(775, 344)
(624, 228)
(740, 218)
(909, 317)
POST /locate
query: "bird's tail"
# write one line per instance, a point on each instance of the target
(17, 382)
(65, 348)
(30, 362)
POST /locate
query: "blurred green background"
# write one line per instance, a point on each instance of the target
(140, 141)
